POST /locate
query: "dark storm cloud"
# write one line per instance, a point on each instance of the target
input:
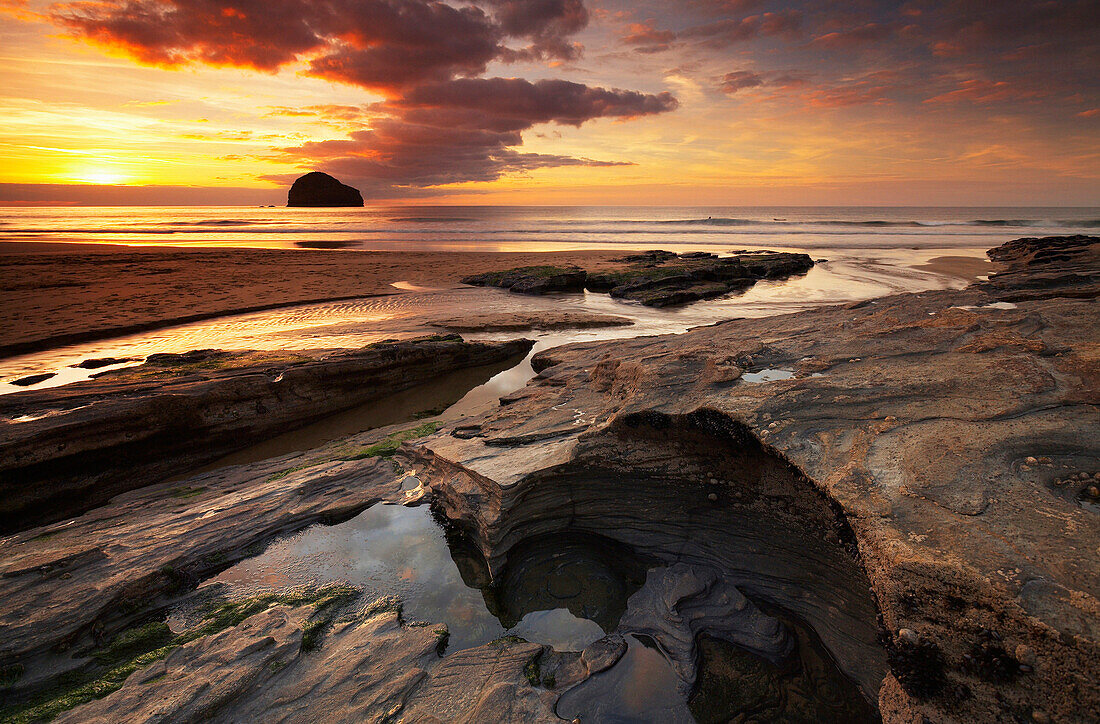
(398, 155)
(440, 123)
(546, 23)
(543, 101)
(468, 130)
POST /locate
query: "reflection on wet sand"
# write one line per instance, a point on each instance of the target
(411, 310)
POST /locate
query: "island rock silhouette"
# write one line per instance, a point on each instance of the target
(320, 189)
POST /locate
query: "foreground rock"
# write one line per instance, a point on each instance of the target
(79, 444)
(320, 189)
(370, 667)
(65, 586)
(655, 278)
(82, 603)
(915, 482)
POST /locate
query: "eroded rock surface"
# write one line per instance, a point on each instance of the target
(85, 442)
(655, 278)
(679, 603)
(371, 666)
(951, 434)
(66, 586)
(533, 279)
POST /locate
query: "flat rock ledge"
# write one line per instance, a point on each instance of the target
(655, 278)
(952, 434)
(77, 598)
(131, 427)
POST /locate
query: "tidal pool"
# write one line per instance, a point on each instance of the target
(566, 591)
(392, 550)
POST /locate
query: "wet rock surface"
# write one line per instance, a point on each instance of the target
(895, 509)
(320, 189)
(933, 429)
(68, 585)
(679, 603)
(533, 279)
(520, 322)
(78, 600)
(656, 278)
(85, 442)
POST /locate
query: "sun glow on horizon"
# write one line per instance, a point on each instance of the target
(104, 177)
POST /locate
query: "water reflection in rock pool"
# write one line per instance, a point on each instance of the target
(393, 550)
(565, 591)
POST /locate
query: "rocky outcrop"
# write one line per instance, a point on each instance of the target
(85, 442)
(370, 667)
(68, 586)
(941, 444)
(533, 279)
(522, 322)
(320, 189)
(656, 278)
(76, 600)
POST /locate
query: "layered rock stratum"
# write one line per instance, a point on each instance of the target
(912, 477)
(65, 449)
(915, 476)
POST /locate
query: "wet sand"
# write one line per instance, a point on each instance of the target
(55, 294)
(967, 268)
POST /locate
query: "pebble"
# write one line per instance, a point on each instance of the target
(1082, 476)
(712, 497)
(1093, 491)
(908, 635)
(714, 481)
(1039, 716)
(1025, 655)
(1031, 461)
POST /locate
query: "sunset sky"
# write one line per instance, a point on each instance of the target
(738, 102)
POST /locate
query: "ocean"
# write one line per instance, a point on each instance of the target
(546, 228)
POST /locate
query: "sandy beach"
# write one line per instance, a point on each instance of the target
(54, 294)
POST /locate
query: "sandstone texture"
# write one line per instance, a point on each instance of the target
(67, 585)
(919, 487)
(320, 189)
(66, 449)
(76, 599)
(655, 278)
